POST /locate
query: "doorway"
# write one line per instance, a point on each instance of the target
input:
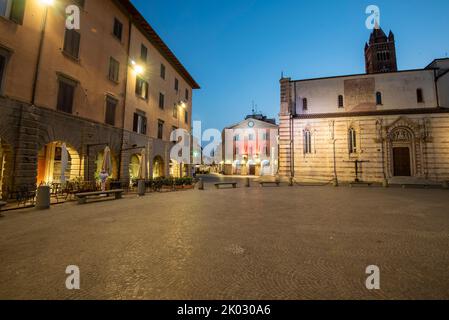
(402, 162)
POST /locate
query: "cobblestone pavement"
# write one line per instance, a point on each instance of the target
(256, 243)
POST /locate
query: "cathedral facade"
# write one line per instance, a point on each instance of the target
(382, 126)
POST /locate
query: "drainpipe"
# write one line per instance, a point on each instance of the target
(124, 101)
(39, 54)
(436, 87)
(292, 136)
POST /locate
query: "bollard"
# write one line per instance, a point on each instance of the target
(141, 189)
(247, 183)
(201, 184)
(43, 198)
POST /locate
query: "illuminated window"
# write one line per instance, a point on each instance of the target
(141, 88)
(140, 123)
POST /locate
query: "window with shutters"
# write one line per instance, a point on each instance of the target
(163, 71)
(160, 129)
(111, 107)
(140, 123)
(72, 43)
(143, 53)
(186, 117)
(13, 10)
(118, 29)
(175, 111)
(161, 101)
(114, 69)
(141, 88)
(187, 94)
(176, 84)
(66, 95)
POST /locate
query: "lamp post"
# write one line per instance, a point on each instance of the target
(46, 4)
(181, 105)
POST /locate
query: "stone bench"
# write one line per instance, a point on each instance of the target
(82, 197)
(263, 183)
(233, 184)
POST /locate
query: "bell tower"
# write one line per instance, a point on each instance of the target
(380, 52)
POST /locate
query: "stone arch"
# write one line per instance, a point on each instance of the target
(402, 150)
(6, 168)
(134, 165)
(158, 167)
(48, 168)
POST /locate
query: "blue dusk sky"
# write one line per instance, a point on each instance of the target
(237, 49)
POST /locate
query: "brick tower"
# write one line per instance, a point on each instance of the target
(380, 52)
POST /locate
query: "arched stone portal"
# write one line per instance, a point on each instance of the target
(402, 152)
(49, 164)
(158, 167)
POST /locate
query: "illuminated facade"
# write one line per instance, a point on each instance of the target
(250, 147)
(391, 125)
(112, 82)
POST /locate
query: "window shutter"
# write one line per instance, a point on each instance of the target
(76, 43)
(144, 125)
(18, 11)
(135, 122)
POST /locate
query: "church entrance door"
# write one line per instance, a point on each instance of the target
(402, 163)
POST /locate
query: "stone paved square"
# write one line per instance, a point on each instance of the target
(256, 243)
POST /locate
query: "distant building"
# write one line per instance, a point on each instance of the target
(251, 147)
(386, 122)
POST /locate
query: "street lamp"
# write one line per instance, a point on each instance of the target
(138, 69)
(47, 4)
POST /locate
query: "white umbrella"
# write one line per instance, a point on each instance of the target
(106, 166)
(64, 162)
(143, 165)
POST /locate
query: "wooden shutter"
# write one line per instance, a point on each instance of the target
(18, 11)
(135, 122)
(111, 105)
(144, 125)
(65, 97)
